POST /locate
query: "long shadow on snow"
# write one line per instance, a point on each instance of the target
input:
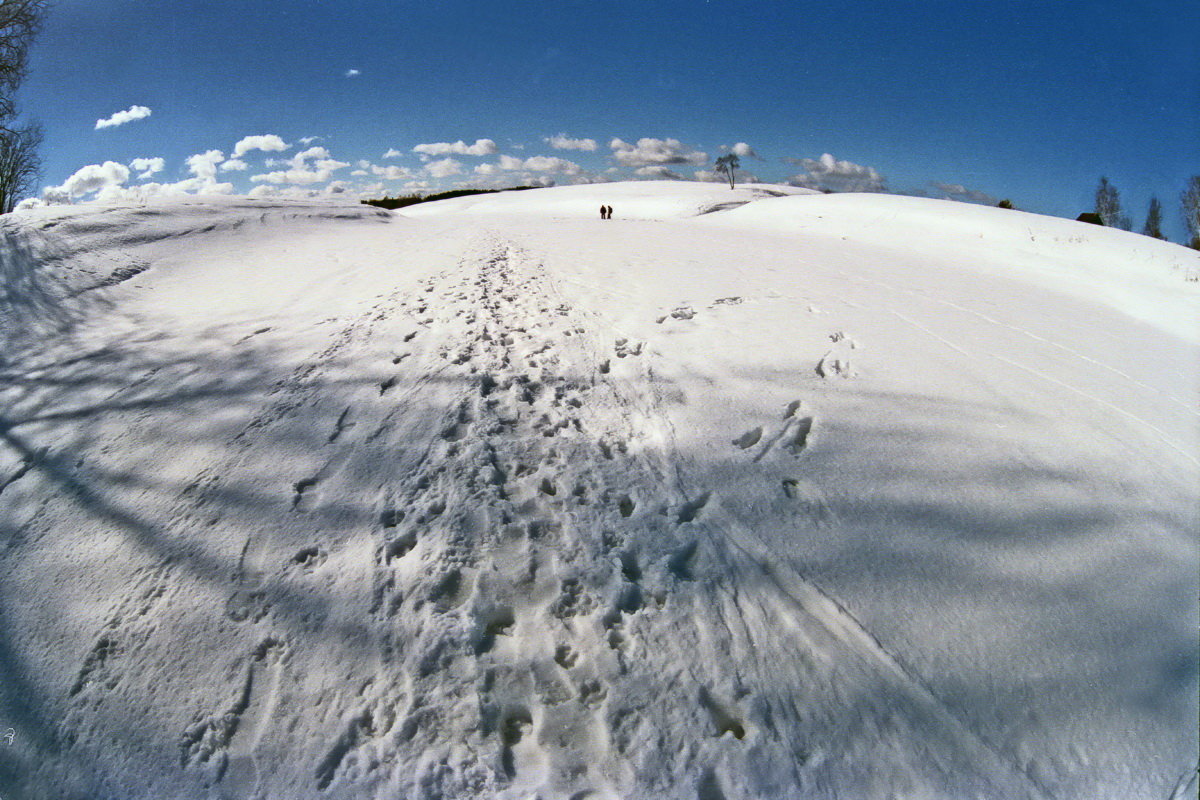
(53, 432)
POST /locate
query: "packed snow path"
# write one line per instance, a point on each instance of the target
(472, 528)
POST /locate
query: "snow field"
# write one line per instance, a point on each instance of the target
(494, 502)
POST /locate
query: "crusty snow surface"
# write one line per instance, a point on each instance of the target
(741, 494)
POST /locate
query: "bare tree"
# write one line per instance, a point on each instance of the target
(1108, 206)
(1189, 199)
(727, 165)
(20, 21)
(20, 164)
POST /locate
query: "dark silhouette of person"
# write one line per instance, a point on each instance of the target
(610, 212)
(603, 212)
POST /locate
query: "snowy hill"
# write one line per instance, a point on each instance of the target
(740, 494)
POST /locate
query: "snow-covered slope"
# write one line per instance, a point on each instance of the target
(629, 200)
(818, 496)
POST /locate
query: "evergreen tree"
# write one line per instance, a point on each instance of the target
(1153, 226)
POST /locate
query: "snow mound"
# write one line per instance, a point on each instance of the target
(1155, 281)
(629, 200)
(51, 254)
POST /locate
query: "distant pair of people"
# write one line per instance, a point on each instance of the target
(605, 212)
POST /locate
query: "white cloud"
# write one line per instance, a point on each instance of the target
(564, 142)
(147, 166)
(307, 140)
(204, 165)
(482, 147)
(353, 73)
(743, 150)
(392, 153)
(829, 174)
(551, 164)
(307, 167)
(956, 191)
(86, 180)
(318, 172)
(704, 175)
(334, 189)
(443, 168)
(304, 155)
(268, 143)
(121, 117)
(509, 163)
(658, 171)
(393, 172)
(648, 152)
(234, 164)
(360, 173)
(106, 183)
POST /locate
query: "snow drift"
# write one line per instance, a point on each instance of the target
(807, 496)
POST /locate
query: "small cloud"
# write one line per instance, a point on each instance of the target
(147, 166)
(551, 164)
(956, 191)
(509, 163)
(121, 117)
(743, 150)
(564, 142)
(234, 164)
(658, 172)
(204, 165)
(268, 143)
(648, 152)
(482, 147)
(353, 73)
(301, 172)
(393, 172)
(307, 140)
(443, 168)
(828, 174)
(392, 153)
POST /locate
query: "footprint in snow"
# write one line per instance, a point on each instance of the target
(749, 438)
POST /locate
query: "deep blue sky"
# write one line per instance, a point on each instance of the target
(1028, 100)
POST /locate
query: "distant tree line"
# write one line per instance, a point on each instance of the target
(1108, 211)
(400, 201)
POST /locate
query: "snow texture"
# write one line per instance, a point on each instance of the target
(740, 494)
